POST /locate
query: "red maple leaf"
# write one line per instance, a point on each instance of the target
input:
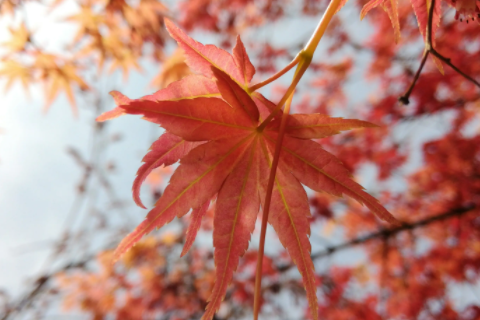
(212, 126)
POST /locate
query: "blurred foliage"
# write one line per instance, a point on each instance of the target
(406, 273)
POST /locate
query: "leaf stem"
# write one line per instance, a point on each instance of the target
(431, 12)
(276, 75)
(321, 27)
(449, 63)
(405, 97)
(305, 57)
(301, 68)
(266, 209)
(429, 49)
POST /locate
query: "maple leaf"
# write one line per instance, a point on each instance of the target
(15, 71)
(173, 69)
(19, 38)
(59, 76)
(391, 8)
(211, 122)
(88, 20)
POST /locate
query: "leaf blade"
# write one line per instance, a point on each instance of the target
(321, 171)
(191, 234)
(369, 6)
(235, 215)
(421, 9)
(235, 95)
(208, 164)
(196, 119)
(167, 150)
(190, 87)
(316, 126)
(201, 57)
(391, 8)
(243, 61)
(289, 213)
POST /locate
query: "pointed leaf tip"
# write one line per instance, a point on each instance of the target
(167, 150)
(243, 61)
(119, 98)
(195, 223)
(109, 115)
(200, 57)
(235, 95)
(236, 211)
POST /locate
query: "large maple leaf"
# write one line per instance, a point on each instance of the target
(211, 122)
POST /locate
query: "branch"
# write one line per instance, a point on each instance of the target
(39, 285)
(387, 233)
(276, 75)
(448, 62)
(305, 57)
(429, 49)
(404, 99)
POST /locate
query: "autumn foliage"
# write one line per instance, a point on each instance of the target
(240, 159)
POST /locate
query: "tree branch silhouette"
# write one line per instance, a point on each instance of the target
(387, 233)
(429, 49)
(41, 282)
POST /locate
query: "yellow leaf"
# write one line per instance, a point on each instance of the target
(329, 227)
(15, 71)
(59, 77)
(391, 8)
(18, 38)
(174, 68)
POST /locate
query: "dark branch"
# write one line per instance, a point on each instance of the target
(387, 233)
(404, 99)
(39, 285)
(429, 49)
(448, 62)
(42, 281)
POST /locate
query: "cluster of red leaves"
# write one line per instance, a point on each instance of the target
(413, 276)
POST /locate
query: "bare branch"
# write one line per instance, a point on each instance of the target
(429, 49)
(448, 62)
(404, 99)
(387, 233)
(39, 285)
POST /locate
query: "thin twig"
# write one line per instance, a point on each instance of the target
(404, 99)
(276, 75)
(449, 63)
(429, 49)
(386, 233)
(305, 57)
(40, 284)
(301, 68)
(266, 210)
